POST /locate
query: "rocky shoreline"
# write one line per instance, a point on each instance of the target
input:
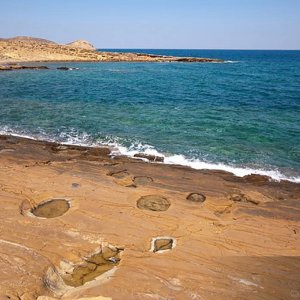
(39, 50)
(13, 67)
(16, 67)
(77, 223)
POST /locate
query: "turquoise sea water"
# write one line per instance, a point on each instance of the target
(242, 115)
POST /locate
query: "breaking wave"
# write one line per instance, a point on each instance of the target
(119, 149)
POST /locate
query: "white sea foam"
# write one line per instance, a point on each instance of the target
(117, 149)
(231, 61)
(198, 164)
(8, 131)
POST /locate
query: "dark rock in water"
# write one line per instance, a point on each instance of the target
(18, 67)
(195, 59)
(35, 67)
(63, 68)
(196, 197)
(153, 203)
(66, 68)
(149, 157)
(5, 68)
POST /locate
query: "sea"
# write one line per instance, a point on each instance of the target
(241, 116)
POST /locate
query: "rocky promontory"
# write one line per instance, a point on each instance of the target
(26, 49)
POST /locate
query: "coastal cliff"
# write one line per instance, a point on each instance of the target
(26, 49)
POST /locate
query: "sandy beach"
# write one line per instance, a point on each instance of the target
(77, 223)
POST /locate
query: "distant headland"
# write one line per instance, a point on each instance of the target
(30, 49)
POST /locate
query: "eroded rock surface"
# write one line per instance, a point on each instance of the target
(153, 203)
(228, 248)
(93, 266)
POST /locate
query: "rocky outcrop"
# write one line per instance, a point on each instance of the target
(32, 49)
(82, 44)
(14, 67)
(18, 67)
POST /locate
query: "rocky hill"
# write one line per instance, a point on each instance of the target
(28, 39)
(82, 44)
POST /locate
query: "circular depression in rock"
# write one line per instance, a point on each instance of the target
(51, 208)
(142, 180)
(119, 174)
(153, 203)
(196, 197)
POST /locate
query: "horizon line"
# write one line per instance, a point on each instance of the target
(230, 49)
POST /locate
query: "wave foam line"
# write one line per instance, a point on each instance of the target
(118, 149)
(231, 61)
(201, 165)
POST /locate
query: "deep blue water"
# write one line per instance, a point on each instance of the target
(242, 116)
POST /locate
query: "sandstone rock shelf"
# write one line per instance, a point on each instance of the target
(242, 242)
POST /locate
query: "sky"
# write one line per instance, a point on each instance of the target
(162, 24)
